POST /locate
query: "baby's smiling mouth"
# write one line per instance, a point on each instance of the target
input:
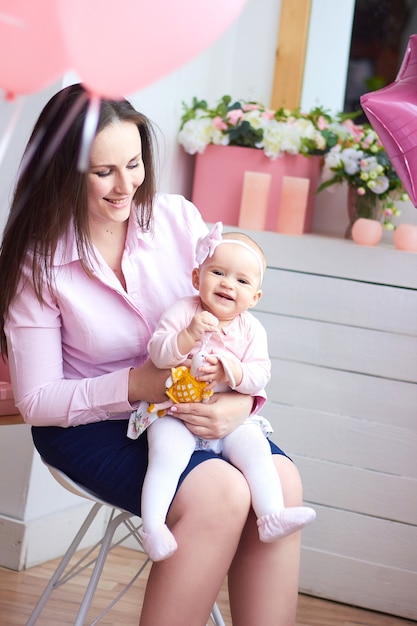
(225, 296)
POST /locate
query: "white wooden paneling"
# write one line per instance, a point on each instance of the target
(365, 584)
(340, 301)
(363, 538)
(329, 256)
(334, 391)
(336, 346)
(344, 439)
(360, 561)
(341, 486)
(342, 327)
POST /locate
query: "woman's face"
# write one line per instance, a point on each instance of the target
(116, 171)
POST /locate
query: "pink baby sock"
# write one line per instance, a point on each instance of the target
(287, 521)
(159, 544)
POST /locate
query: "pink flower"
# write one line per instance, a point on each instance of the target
(234, 116)
(353, 129)
(219, 124)
(361, 191)
(321, 123)
(251, 107)
(367, 142)
(267, 115)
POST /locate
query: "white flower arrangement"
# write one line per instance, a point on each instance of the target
(250, 124)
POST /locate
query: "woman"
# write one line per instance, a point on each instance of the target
(89, 262)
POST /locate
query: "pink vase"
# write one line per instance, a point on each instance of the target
(218, 182)
(366, 232)
(405, 237)
(367, 206)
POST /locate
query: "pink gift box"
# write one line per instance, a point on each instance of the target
(7, 405)
(4, 370)
(219, 175)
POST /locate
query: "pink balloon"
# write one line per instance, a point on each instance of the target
(31, 48)
(119, 47)
(392, 111)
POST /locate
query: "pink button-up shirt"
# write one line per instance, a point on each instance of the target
(70, 357)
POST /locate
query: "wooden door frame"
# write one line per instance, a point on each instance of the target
(290, 53)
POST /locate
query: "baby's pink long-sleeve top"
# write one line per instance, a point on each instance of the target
(70, 357)
(244, 339)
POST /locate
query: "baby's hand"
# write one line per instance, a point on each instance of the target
(212, 371)
(202, 323)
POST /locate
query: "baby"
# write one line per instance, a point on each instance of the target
(231, 345)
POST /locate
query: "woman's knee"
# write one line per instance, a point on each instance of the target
(214, 491)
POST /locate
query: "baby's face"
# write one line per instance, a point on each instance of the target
(229, 281)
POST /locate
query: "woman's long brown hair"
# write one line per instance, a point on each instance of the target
(51, 192)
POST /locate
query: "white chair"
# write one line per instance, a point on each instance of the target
(96, 556)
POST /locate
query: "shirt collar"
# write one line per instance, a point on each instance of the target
(67, 251)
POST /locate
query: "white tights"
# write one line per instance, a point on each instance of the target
(171, 445)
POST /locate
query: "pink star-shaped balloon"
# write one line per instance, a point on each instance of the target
(392, 111)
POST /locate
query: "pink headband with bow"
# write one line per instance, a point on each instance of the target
(207, 245)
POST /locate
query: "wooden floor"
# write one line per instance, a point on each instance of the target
(19, 592)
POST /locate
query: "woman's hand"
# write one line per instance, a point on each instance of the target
(147, 382)
(217, 417)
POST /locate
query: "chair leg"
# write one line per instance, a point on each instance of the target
(53, 583)
(98, 567)
(216, 616)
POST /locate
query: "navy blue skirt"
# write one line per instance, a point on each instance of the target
(103, 459)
